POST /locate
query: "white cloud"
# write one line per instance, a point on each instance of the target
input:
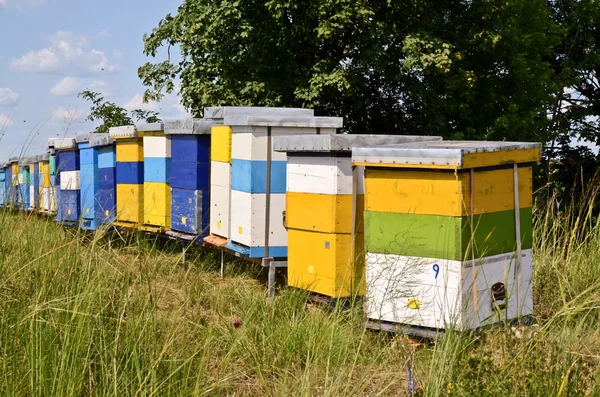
(69, 115)
(137, 102)
(8, 97)
(67, 86)
(67, 53)
(5, 121)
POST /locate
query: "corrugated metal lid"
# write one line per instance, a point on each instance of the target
(83, 138)
(126, 131)
(63, 143)
(221, 112)
(188, 126)
(437, 153)
(44, 157)
(284, 121)
(148, 127)
(341, 142)
(103, 139)
(12, 160)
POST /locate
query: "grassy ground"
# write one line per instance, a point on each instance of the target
(77, 319)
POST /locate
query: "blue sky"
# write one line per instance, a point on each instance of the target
(53, 49)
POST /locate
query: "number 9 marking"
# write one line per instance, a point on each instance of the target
(436, 269)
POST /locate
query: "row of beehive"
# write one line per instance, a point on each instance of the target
(434, 212)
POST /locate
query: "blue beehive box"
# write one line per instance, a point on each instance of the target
(89, 178)
(106, 199)
(2, 184)
(190, 177)
(68, 181)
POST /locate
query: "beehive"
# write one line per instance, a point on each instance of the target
(443, 248)
(190, 176)
(220, 168)
(68, 182)
(106, 199)
(12, 181)
(129, 176)
(325, 249)
(46, 196)
(34, 188)
(24, 181)
(90, 183)
(52, 194)
(3, 190)
(258, 180)
(157, 164)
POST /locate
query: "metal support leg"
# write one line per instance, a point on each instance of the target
(272, 269)
(222, 264)
(272, 265)
(183, 252)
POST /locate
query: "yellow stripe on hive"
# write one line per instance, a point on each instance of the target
(488, 159)
(130, 201)
(323, 263)
(220, 147)
(444, 193)
(131, 150)
(323, 212)
(157, 204)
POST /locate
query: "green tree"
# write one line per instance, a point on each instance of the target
(112, 115)
(469, 69)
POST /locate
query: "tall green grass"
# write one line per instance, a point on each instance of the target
(78, 318)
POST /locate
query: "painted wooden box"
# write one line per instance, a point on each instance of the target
(189, 176)
(448, 232)
(258, 180)
(157, 165)
(129, 176)
(221, 160)
(3, 190)
(325, 248)
(24, 180)
(68, 182)
(106, 200)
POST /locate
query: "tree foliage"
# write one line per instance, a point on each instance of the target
(112, 115)
(460, 69)
(484, 69)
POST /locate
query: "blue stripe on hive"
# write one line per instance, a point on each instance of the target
(257, 252)
(157, 169)
(107, 202)
(88, 174)
(250, 176)
(130, 173)
(107, 157)
(190, 148)
(89, 203)
(69, 206)
(87, 155)
(184, 204)
(67, 161)
(107, 177)
(190, 175)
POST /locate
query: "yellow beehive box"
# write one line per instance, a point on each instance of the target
(325, 263)
(130, 203)
(220, 145)
(130, 150)
(157, 204)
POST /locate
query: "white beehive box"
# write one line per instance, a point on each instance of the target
(258, 196)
